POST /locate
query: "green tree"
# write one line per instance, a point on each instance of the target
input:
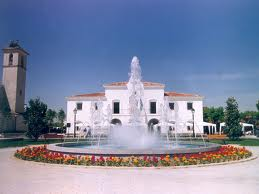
(257, 105)
(61, 118)
(206, 114)
(232, 119)
(35, 118)
(213, 115)
(248, 117)
(50, 116)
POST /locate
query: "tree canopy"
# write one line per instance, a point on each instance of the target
(232, 119)
(35, 118)
(61, 117)
(213, 115)
(50, 116)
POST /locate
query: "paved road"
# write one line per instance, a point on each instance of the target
(17, 176)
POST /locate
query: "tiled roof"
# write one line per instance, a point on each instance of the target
(98, 94)
(175, 94)
(146, 84)
(172, 94)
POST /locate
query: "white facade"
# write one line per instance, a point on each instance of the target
(117, 92)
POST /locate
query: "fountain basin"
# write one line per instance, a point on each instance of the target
(83, 148)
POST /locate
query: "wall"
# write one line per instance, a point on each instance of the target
(150, 94)
(7, 124)
(14, 77)
(185, 115)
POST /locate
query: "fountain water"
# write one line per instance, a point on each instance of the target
(136, 92)
(135, 134)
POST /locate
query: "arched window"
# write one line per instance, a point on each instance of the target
(10, 58)
(151, 124)
(116, 122)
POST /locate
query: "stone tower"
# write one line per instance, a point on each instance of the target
(14, 75)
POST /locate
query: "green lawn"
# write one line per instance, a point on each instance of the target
(242, 142)
(25, 142)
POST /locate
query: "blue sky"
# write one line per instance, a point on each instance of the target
(209, 47)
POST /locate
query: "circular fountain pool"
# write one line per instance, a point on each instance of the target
(84, 148)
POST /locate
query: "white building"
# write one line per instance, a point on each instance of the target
(113, 105)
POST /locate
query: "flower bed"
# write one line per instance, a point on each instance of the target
(224, 154)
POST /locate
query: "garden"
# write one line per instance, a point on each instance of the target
(226, 153)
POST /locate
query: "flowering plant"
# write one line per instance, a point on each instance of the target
(224, 154)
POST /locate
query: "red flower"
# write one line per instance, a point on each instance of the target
(93, 158)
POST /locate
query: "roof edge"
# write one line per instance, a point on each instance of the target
(16, 49)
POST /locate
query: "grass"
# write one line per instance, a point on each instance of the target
(242, 142)
(25, 142)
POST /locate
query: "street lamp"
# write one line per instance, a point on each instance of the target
(75, 111)
(193, 111)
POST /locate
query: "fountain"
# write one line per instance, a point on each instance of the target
(133, 138)
(136, 129)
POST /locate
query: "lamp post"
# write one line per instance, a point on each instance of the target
(193, 111)
(75, 111)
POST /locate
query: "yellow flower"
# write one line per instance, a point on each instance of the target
(125, 160)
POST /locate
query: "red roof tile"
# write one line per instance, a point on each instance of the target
(147, 84)
(175, 94)
(98, 94)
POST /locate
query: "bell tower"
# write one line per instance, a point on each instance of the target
(14, 75)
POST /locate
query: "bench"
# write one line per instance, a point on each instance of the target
(221, 137)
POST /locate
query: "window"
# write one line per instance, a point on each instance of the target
(189, 106)
(171, 129)
(11, 59)
(188, 128)
(96, 106)
(152, 107)
(116, 107)
(171, 105)
(20, 92)
(79, 106)
(68, 124)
